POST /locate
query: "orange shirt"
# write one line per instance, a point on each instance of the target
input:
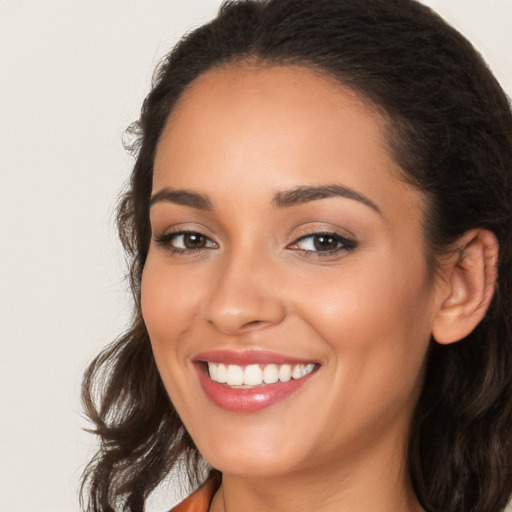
(200, 500)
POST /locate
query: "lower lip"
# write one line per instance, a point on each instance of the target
(248, 400)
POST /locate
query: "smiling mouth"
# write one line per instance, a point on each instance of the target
(251, 380)
(257, 375)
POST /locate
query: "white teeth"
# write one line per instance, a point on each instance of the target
(235, 376)
(297, 371)
(222, 373)
(270, 374)
(285, 372)
(213, 370)
(309, 368)
(253, 375)
(257, 375)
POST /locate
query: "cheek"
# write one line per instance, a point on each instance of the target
(169, 294)
(365, 296)
(167, 306)
(375, 319)
(168, 312)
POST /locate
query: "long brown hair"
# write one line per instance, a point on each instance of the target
(450, 130)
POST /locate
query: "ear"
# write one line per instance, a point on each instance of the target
(466, 286)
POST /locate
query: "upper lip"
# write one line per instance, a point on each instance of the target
(247, 357)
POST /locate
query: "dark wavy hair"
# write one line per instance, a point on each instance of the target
(449, 127)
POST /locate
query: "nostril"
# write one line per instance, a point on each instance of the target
(254, 322)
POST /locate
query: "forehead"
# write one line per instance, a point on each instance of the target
(272, 106)
(294, 93)
(259, 82)
(275, 127)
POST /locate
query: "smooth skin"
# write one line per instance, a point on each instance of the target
(342, 281)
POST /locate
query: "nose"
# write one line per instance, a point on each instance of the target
(244, 295)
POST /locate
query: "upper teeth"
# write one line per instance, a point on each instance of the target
(255, 374)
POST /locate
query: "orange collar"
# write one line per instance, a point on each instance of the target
(200, 500)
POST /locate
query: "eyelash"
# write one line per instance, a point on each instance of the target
(342, 243)
(166, 240)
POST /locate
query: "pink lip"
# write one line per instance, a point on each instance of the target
(253, 399)
(248, 400)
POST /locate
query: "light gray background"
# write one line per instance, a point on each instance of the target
(73, 75)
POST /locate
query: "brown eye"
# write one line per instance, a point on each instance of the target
(325, 242)
(185, 241)
(194, 240)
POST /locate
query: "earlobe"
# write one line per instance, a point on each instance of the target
(469, 279)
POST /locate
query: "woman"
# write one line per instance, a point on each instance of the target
(319, 221)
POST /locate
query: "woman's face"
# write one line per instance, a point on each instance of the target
(285, 248)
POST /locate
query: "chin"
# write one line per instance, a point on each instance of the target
(252, 465)
(253, 455)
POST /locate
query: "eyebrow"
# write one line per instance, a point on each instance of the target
(182, 197)
(301, 195)
(285, 199)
